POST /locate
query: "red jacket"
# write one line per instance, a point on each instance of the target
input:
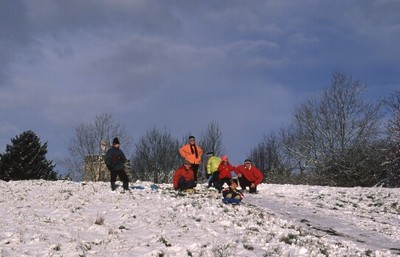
(225, 170)
(252, 174)
(181, 171)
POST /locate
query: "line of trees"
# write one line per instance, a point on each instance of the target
(155, 157)
(336, 138)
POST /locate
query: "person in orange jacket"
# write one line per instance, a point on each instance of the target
(225, 175)
(183, 177)
(249, 176)
(192, 153)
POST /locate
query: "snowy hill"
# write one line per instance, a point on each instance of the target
(42, 218)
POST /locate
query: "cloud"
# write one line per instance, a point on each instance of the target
(181, 65)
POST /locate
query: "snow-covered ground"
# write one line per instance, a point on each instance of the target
(62, 218)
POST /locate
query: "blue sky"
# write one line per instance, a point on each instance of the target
(182, 64)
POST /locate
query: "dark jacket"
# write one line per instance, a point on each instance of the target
(115, 159)
(230, 193)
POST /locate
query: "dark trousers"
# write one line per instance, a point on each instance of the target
(183, 184)
(245, 183)
(221, 182)
(195, 168)
(213, 180)
(122, 176)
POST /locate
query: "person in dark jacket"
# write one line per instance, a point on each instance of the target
(231, 194)
(115, 161)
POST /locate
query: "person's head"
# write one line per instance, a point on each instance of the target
(209, 154)
(224, 158)
(234, 183)
(247, 163)
(187, 164)
(115, 142)
(192, 140)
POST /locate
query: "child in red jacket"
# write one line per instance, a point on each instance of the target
(224, 170)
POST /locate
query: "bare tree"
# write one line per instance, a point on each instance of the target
(329, 132)
(211, 139)
(156, 157)
(392, 162)
(265, 157)
(88, 145)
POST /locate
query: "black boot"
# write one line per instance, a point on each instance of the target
(113, 187)
(126, 185)
(253, 190)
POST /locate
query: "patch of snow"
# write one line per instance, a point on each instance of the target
(63, 218)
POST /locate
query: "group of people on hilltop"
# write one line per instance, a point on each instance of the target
(219, 170)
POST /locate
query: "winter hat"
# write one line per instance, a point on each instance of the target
(191, 137)
(247, 161)
(115, 141)
(224, 158)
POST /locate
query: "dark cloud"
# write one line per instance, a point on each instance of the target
(182, 64)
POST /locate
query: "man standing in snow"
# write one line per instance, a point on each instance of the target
(115, 161)
(192, 153)
(249, 176)
(184, 177)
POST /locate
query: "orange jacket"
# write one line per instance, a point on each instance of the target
(187, 154)
(181, 171)
(252, 174)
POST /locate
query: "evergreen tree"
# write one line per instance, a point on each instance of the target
(25, 159)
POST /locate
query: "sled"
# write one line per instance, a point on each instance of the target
(232, 201)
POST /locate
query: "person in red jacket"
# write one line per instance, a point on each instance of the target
(249, 176)
(184, 177)
(225, 175)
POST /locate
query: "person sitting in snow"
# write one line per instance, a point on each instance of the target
(184, 177)
(249, 176)
(224, 170)
(231, 194)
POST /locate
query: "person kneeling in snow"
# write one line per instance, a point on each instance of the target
(184, 177)
(231, 194)
(225, 175)
(249, 176)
